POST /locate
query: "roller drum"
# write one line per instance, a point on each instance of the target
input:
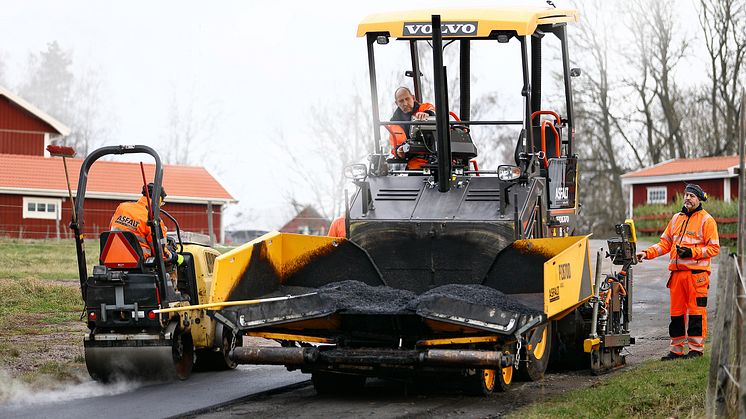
(121, 357)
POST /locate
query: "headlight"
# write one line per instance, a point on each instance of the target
(356, 172)
(508, 172)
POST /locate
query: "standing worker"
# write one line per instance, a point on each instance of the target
(691, 240)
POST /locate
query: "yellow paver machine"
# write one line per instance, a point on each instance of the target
(446, 268)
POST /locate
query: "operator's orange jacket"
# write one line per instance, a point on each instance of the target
(397, 137)
(337, 228)
(133, 216)
(697, 231)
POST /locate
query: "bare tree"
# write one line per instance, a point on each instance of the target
(88, 127)
(724, 26)
(189, 126)
(335, 142)
(599, 139)
(639, 57)
(666, 52)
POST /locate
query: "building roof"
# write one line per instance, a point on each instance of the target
(685, 169)
(36, 175)
(58, 126)
(307, 217)
(521, 19)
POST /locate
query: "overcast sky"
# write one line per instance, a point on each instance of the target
(256, 65)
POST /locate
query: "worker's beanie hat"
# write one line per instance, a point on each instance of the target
(696, 190)
(150, 188)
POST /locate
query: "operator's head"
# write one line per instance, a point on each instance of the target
(149, 191)
(404, 99)
(693, 195)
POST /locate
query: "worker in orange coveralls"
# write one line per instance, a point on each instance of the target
(133, 216)
(407, 110)
(337, 228)
(691, 240)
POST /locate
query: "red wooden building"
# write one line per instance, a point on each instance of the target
(24, 129)
(659, 184)
(33, 191)
(309, 222)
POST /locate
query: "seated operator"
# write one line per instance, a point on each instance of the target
(133, 217)
(407, 110)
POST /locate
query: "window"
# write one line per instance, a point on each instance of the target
(43, 208)
(657, 195)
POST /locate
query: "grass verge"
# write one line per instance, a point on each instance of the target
(42, 259)
(47, 303)
(654, 389)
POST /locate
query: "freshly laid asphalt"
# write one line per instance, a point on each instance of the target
(158, 400)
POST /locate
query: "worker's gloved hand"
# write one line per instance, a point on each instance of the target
(173, 258)
(640, 256)
(420, 116)
(179, 259)
(684, 252)
(402, 150)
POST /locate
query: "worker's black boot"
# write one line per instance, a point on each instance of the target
(671, 356)
(693, 354)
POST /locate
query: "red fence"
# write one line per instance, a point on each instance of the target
(191, 217)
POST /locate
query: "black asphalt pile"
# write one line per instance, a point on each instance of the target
(362, 298)
(474, 294)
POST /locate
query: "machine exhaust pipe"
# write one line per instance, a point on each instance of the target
(266, 355)
(466, 358)
(455, 358)
(442, 129)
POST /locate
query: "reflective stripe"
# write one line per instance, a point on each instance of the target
(717, 242)
(702, 226)
(697, 342)
(678, 349)
(698, 263)
(704, 252)
(690, 240)
(658, 249)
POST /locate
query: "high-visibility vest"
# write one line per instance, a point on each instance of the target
(697, 231)
(133, 216)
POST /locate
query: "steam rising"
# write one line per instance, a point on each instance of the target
(14, 392)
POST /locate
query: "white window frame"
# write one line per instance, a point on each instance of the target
(656, 190)
(56, 215)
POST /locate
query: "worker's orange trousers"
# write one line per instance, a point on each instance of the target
(688, 310)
